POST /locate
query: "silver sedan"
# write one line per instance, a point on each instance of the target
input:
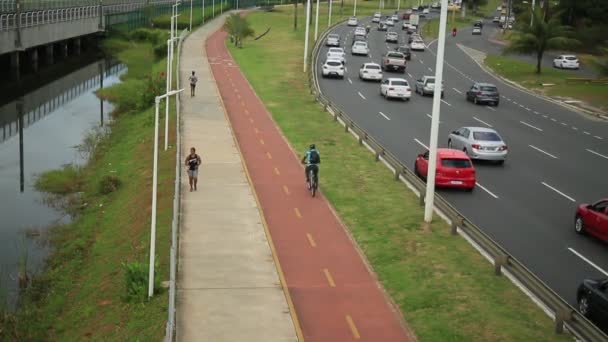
(479, 143)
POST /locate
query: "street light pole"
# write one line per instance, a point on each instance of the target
(355, 9)
(398, 5)
(532, 14)
(329, 20)
(191, 1)
(430, 184)
(154, 191)
(306, 34)
(317, 21)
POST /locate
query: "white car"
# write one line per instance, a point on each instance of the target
(360, 31)
(566, 62)
(332, 40)
(389, 22)
(370, 71)
(417, 45)
(360, 48)
(396, 88)
(476, 30)
(391, 37)
(408, 11)
(496, 20)
(352, 21)
(376, 18)
(333, 68)
(395, 18)
(425, 11)
(336, 53)
(405, 25)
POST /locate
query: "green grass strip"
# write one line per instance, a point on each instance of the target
(445, 289)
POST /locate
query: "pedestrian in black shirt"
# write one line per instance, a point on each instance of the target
(192, 163)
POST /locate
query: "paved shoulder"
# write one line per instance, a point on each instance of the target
(228, 287)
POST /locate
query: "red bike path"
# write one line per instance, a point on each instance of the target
(335, 296)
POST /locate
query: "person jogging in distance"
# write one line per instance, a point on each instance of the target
(192, 163)
(193, 79)
(312, 159)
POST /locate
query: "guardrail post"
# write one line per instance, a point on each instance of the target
(561, 316)
(378, 153)
(397, 174)
(456, 222)
(361, 138)
(499, 261)
(346, 126)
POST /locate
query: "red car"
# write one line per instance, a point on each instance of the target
(454, 169)
(593, 219)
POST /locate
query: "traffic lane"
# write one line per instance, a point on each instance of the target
(596, 131)
(357, 110)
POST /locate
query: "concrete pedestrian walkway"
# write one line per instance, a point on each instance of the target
(229, 287)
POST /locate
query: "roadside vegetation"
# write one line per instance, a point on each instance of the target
(563, 84)
(445, 289)
(183, 20)
(94, 285)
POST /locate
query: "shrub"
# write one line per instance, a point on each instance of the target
(148, 35)
(109, 184)
(136, 281)
(66, 180)
(160, 50)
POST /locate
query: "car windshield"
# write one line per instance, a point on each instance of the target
(486, 136)
(372, 67)
(395, 55)
(399, 83)
(417, 41)
(334, 63)
(486, 88)
(361, 44)
(335, 50)
(333, 36)
(571, 58)
(456, 163)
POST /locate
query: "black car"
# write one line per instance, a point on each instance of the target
(483, 93)
(478, 23)
(592, 298)
(405, 50)
(382, 27)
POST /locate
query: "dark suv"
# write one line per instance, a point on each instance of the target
(405, 50)
(592, 298)
(483, 93)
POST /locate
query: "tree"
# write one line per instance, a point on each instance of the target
(295, 15)
(546, 32)
(239, 28)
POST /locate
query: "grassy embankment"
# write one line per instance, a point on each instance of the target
(87, 291)
(445, 289)
(525, 74)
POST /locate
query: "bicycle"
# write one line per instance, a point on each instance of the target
(314, 182)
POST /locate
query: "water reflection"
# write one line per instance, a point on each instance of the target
(38, 132)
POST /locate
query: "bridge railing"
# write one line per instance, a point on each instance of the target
(564, 315)
(30, 19)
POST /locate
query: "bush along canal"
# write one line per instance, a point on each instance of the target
(94, 282)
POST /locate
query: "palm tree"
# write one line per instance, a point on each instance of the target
(546, 32)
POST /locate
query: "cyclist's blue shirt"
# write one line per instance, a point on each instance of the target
(307, 160)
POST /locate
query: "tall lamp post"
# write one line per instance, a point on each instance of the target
(355, 9)
(173, 36)
(329, 20)
(317, 21)
(430, 184)
(306, 34)
(157, 100)
(191, 1)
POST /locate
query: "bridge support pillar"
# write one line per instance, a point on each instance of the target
(34, 59)
(48, 49)
(77, 46)
(64, 49)
(15, 66)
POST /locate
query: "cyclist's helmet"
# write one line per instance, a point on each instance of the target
(312, 146)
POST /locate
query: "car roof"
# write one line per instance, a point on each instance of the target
(371, 63)
(397, 79)
(333, 60)
(567, 56)
(451, 153)
(479, 129)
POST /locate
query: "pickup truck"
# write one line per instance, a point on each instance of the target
(393, 60)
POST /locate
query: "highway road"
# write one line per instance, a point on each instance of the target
(557, 157)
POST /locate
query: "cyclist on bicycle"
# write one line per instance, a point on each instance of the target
(312, 159)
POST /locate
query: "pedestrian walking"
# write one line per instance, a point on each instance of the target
(193, 161)
(193, 79)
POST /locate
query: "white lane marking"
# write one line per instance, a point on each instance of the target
(431, 117)
(527, 124)
(515, 103)
(587, 133)
(554, 120)
(537, 113)
(598, 137)
(483, 122)
(346, 69)
(458, 91)
(559, 192)
(490, 108)
(564, 124)
(421, 62)
(486, 190)
(599, 154)
(574, 128)
(363, 97)
(370, 56)
(545, 116)
(587, 261)
(541, 151)
(446, 103)
(386, 117)
(528, 109)
(349, 81)
(420, 143)
(432, 41)
(431, 70)
(410, 75)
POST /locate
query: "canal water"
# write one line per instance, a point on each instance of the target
(39, 131)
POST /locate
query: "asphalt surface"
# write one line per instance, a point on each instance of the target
(557, 157)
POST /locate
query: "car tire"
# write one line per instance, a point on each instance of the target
(583, 305)
(579, 226)
(465, 151)
(500, 162)
(449, 143)
(475, 100)
(469, 189)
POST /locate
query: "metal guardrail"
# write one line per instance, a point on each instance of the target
(175, 224)
(564, 313)
(30, 19)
